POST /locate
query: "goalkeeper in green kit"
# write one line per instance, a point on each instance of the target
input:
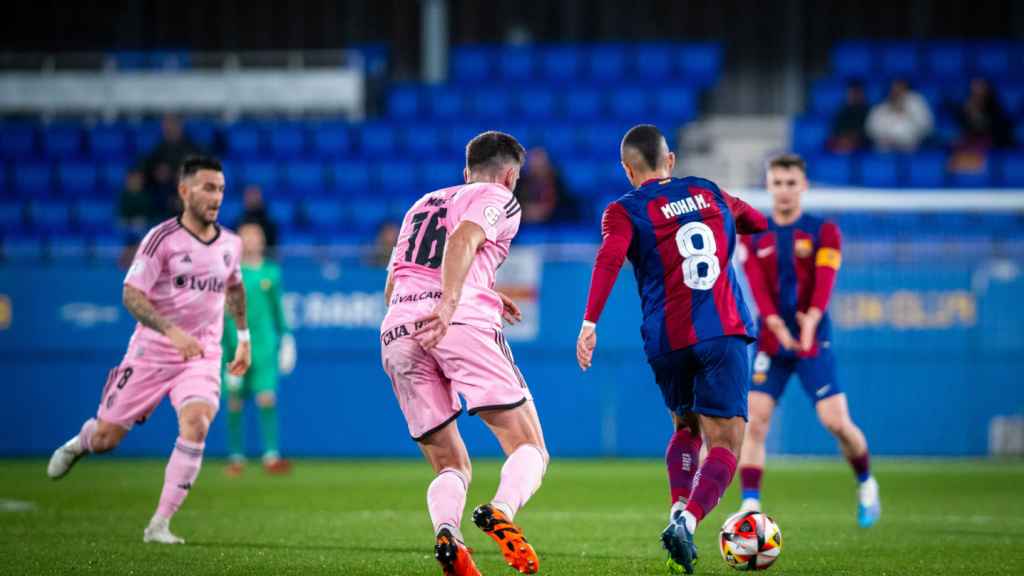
(273, 352)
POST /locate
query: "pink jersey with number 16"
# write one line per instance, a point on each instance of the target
(416, 260)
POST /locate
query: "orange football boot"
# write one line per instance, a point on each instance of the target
(454, 557)
(517, 551)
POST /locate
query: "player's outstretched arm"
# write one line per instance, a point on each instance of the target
(236, 307)
(145, 313)
(459, 251)
(616, 237)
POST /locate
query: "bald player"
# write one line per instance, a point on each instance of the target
(679, 234)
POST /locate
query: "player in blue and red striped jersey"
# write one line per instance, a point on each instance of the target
(791, 269)
(679, 234)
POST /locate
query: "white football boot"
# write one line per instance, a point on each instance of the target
(750, 505)
(159, 531)
(64, 458)
(869, 504)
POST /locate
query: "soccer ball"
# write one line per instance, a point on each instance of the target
(750, 541)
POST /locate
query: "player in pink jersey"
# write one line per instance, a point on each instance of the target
(182, 275)
(442, 338)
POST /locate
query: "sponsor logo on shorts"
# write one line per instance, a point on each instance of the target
(406, 298)
(820, 392)
(400, 331)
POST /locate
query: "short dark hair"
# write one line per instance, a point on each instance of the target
(647, 140)
(192, 164)
(493, 149)
(787, 161)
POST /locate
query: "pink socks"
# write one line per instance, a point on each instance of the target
(446, 499)
(520, 478)
(182, 470)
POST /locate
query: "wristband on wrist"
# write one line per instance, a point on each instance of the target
(589, 324)
(243, 335)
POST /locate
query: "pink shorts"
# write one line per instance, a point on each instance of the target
(134, 390)
(473, 362)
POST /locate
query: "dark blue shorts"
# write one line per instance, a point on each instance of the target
(817, 374)
(710, 378)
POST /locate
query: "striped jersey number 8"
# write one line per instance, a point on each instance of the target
(696, 244)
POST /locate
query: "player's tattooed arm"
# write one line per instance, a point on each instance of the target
(143, 311)
(235, 302)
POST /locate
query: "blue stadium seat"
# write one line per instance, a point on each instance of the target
(144, 136)
(516, 63)
(19, 140)
(325, 214)
(351, 178)
(378, 139)
(12, 216)
(437, 175)
(880, 170)
(809, 134)
(423, 140)
(559, 140)
(926, 170)
(582, 178)
(560, 63)
(947, 129)
(287, 140)
(933, 94)
(404, 101)
(699, 63)
(607, 62)
(677, 103)
(472, 63)
(459, 134)
(24, 247)
(242, 141)
(202, 133)
(77, 178)
(992, 60)
(653, 60)
(62, 141)
(262, 174)
(946, 60)
(109, 142)
(32, 179)
(831, 169)
(982, 178)
(537, 102)
(368, 212)
(491, 103)
(1011, 94)
(396, 178)
(50, 216)
(899, 60)
(853, 60)
(304, 178)
(1012, 170)
(111, 176)
(583, 103)
(67, 246)
(230, 212)
(282, 211)
(630, 103)
(331, 140)
(445, 102)
(827, 96)
(95, 215)
(602, 139)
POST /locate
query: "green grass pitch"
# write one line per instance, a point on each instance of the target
(591, 517)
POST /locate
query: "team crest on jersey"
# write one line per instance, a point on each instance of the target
(227, 259)
(492, 213)
(265, 284)
(803, 247)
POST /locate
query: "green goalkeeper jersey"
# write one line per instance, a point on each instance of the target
(263, 310)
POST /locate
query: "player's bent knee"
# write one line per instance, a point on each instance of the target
(266, 399)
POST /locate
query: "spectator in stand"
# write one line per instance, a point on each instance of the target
(901, 122)
(161, 167)
(984, 125)
(135, 207)
(254, 211)
(383, 245)
(848, 125)
(542, 193)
